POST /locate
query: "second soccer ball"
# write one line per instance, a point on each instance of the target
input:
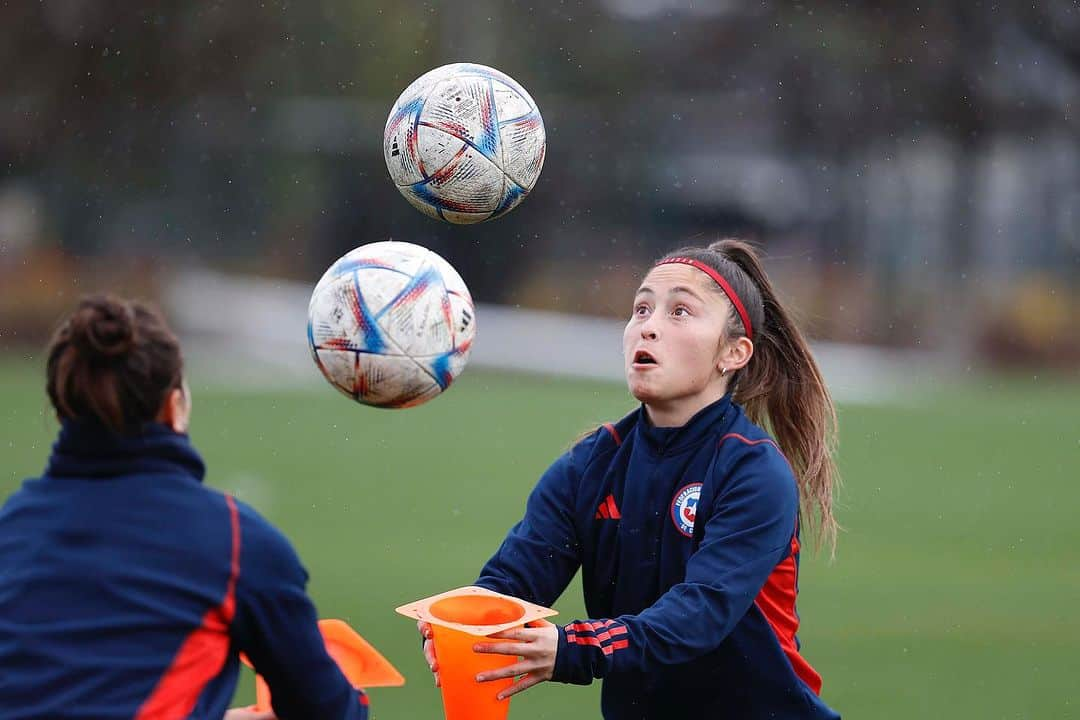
(390, 324)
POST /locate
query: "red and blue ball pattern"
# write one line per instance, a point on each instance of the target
(391, 324)
(464, 143)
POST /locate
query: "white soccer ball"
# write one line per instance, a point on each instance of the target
(464, 143)
(391, 324)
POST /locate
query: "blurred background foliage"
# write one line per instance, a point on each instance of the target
(913, 171)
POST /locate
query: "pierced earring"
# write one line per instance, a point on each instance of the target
(723, 371)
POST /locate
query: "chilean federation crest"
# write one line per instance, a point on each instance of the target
(684, 508)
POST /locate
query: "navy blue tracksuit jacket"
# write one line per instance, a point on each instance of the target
(127, 590)
(687, 539)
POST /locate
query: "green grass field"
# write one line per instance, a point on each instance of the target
(954, 592)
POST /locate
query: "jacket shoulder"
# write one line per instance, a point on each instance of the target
(259, 531)
(746, 449)
(744, 436)
(601, 442)
(265, 552)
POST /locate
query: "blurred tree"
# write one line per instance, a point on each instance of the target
(887, 143)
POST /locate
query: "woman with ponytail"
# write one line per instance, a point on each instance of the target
(128, 588)
(685, 517)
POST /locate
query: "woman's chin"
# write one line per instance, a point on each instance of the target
(642, 392)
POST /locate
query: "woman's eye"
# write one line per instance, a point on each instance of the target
(641, 309)
(680, 311)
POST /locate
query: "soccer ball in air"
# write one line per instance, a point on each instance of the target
(390, 324)
(464, 143)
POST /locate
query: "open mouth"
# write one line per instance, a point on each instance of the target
(641, 357)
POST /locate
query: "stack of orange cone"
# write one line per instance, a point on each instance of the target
(459, 620)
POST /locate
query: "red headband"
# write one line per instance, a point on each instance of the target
(724, 285)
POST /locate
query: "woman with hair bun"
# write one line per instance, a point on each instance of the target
(127, 587)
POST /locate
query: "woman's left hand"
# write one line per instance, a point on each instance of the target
(535, 645)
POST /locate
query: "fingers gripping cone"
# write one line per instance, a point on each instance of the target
(361, 663)
(460, 619)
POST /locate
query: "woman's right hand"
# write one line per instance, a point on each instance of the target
(429, 649)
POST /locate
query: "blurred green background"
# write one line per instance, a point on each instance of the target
(912, 172)
(953, 593)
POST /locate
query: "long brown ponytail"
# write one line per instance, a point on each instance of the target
(781, 387)
(113, 361)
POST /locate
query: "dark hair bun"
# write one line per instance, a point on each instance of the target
(103, 326)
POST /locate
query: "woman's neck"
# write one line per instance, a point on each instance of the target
(677, 412)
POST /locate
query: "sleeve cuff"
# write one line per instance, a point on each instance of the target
(570, 665)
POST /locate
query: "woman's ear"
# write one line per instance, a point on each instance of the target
(735, 355)
(176, 411)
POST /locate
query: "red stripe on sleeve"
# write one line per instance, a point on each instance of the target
(748, 441)
(597, 634)
(776, 601)
(575, 639)
(767, 441)
(614, 433)
(203, 653)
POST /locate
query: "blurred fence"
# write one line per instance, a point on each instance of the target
(252, 332)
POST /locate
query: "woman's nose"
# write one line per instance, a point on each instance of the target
(648, 331)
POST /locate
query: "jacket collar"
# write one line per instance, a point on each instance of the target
(88, 449)
(667, 440)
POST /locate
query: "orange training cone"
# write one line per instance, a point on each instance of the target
(361, 663)
(459, 619)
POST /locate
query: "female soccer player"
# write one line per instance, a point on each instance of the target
(684, 516)
(127, 587)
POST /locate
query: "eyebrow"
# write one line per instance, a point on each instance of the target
(645, 289)
(684, 289)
